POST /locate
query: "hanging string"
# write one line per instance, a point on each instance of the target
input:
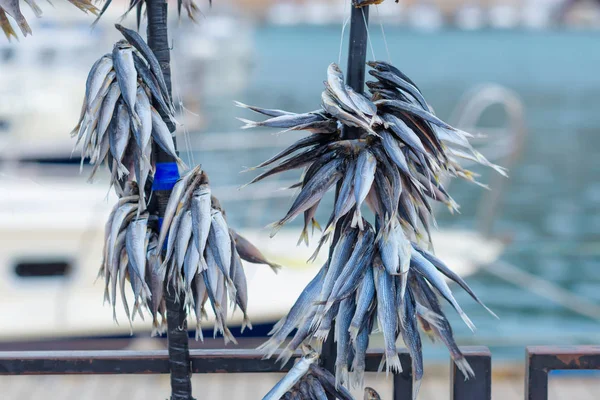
(368, 36)
(186, 134)
(346, 20)
(387, 49)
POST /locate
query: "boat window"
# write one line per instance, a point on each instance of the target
(42, 269)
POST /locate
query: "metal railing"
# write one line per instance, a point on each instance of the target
(540, 361)
(229, 361)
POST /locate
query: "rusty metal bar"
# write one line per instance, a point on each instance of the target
(540, 360)
(479, 387)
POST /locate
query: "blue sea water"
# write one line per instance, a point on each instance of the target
(551, 207)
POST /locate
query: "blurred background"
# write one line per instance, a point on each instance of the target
(522, 73)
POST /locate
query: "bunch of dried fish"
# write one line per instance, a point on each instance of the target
(118, 122)
(13, 8)
(202, 259)
(307, 380)
(395, 165)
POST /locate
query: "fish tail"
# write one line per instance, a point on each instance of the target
(463, 365)
(357, 379)
(303, 237)
(275, 227)
(269, 347)
(392, 362)
(285, 356)
(403, 282)
(248, 124)
(22, 22)
(199, 334)
(246, 323)
(466, 320)
(329, 229)
(181, 164)
(315, 224)
(228, 336)
(240, 104)
(277, 267)
(341, 375)
(321, 334)
(277, 326)
(357, 220)
(35, 8)
(353, 332)
(416, 386)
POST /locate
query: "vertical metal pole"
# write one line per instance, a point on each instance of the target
(355, 78)
(179, 355)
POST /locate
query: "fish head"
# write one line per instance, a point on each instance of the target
(215, 204)
(202, 190)
(371, 394)
(333, 67)
(122, 45)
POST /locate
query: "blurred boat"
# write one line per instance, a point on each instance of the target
(43, 78)
(52, 227)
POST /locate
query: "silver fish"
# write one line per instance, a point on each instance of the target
(184, 235)
(364, 301)
(366, 165)
(107, 109)
(284, 121)
(173, 203)
(292, 377)
(360, 345)
(241, 290)
(8, 29)
(412, 340)
(222, 241)
(142, 109)
(249, 252)
(120, 138)
(371, 394)
(386, 315)
(331, 106)
(264, 111)
(201, 216)
(335, 80)
(163, 137)
(126, 76)
(342, 338)
(136, 246)
(312, 192)
(296, 314)
(435, 278)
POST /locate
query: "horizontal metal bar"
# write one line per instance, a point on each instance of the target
(540, 360)
(478, 387)
(156, 362)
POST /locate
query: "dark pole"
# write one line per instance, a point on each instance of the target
(164, 179)
(355, 78)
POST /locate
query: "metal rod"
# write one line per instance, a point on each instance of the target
(357, 57)
(355, 78)
(177, 333)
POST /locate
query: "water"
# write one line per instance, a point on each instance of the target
(552, 203)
